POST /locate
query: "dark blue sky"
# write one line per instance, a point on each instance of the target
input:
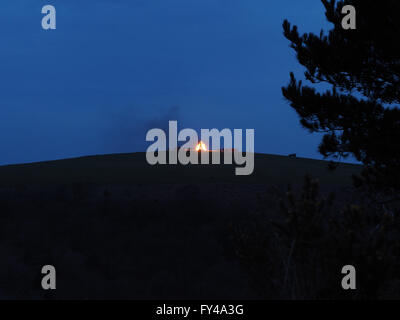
(115, 68)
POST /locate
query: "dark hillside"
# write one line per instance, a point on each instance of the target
(133, 168)
(115, 227)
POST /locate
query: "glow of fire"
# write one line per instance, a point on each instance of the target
(201, 146)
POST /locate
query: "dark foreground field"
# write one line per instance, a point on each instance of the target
(115, 227)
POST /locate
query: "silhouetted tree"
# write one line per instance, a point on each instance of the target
(358, 114)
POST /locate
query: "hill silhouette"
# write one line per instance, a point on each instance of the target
(133, 168)
(115, 227)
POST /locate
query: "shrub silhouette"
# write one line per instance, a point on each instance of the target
(300, 254)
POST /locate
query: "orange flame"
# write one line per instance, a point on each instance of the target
(201, 146)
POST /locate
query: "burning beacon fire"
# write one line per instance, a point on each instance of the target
(201, 146)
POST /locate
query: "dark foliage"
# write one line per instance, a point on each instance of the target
(119, 241)
(300, 253)
(358, 114)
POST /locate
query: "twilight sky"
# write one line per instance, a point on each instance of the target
(114, 69)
